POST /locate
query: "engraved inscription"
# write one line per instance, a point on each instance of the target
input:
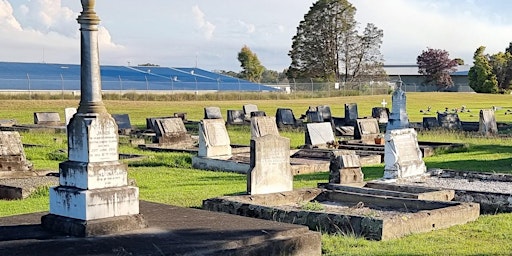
(406, 147)
(103, 142)
(216, 132)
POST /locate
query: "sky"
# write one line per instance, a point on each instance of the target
(208, 34)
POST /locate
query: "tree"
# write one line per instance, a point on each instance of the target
(459, 61)
(435, 65)
(480, 75)
(327, 46)
(252, 68)
(501, 68)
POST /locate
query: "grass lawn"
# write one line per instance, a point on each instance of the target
(168, 177)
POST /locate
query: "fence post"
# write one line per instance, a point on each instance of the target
(62, 85)
(29, 90)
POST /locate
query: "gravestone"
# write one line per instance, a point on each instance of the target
(398, 118)
(285, 118)
(7, 122)
(319, 134)
(325, 112)
(314, 117)
(430, 122)
(13, 162)
(381, 113)
(172, 132)
(345, 168)
(213, 138)
(402, 155)
(248, 108)
(124, 125)
(212, 113)
(47, 118)
(263, 125)
(69, 113)
(258, 113)
(235, 117)
(366, 129)
(487, 124)
(270, 169)
(351, 113)
(449, 121)
(151, 122)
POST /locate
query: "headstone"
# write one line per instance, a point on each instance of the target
(172, 132)
(366, 129)
(212, 113)
(381, 113)
(325, 112)
(235, 117)
(319, 134)
(123, 123)
(181, 115)
(248, 108)
(345, 168)
(487, 125)
(314, 117)
(398, 118)
(285, 118)
(270, 170)
(430, 122)
(351, 113)
(449, 121)
(7, 122)
(213, 138)
(69, 113)
(402, 155)
(258, 113)
(151, 122)
(263, 125)
(13, 162)
(47, 118)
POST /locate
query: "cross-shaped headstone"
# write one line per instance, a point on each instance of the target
(383, 103)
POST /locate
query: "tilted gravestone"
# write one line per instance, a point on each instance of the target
(13, 162)
(285, 118)
(398, 118)
(151, 122)
(248, 109)
(212, 113)
(123, 122)
(69, 113)
(213, 138)
(366, 129)
(319, 134)
(449, 121)
(47, 118)
(381, 114)
(351, 113)
(402, 155)
(345, 168)
(172, 132)
(263, 125)
(235, 117)
(487, 124)
(270, 170)
(430, 122)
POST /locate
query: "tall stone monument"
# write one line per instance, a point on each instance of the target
(93, 196)
(398, 118)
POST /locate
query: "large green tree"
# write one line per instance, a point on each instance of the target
(327, 46)
(480, 75)
(436, 66)
(252, 69)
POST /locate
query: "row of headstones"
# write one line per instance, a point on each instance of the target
(487, 122)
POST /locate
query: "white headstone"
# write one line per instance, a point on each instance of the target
(402, 155)
(487, 125)
(213, 138)
(263, 125)
(69, 113)
(319, 134)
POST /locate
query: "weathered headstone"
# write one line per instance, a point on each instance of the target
(213, 138)
(263, 125)
(248, 108)
(430, 122)
(47, 118)
(325, 112)
(235, 117)
(402, 155)
(68, 114)
(270, 170)
(123, 122)
(351, 113)
(381, 113)
(151, 122)
(285, 118)
(258, 113)
(314, 117)
(398, 118)
(212, 113)
(13, 162)
(172, 132)
(487, 125)
(319, 134)
(449, 121)
(345, 168)
(366, 129)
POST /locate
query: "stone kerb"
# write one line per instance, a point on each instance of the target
(263, 125)
(487, 124)
(402, 155)
(270, 169)
(213, 138)
(319, 134)
(345, 168)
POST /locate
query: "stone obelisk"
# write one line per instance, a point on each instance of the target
(93, 196)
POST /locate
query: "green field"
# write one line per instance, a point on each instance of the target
(168, 177)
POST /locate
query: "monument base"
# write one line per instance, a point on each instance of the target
(86, 228)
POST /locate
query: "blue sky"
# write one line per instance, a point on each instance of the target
(210, 33)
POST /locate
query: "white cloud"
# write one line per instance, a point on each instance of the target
(206, 27)
(249, 28)
(7, 20)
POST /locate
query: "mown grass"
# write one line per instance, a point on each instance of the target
(169, 178)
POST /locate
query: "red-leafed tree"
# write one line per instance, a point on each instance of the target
(435, 65)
